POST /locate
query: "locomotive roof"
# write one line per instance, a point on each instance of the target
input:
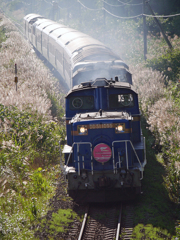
(101, 82)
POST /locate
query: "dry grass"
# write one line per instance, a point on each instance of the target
(34, 80)
(149, 84)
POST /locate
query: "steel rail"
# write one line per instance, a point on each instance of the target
(119, 224)
(83, 225)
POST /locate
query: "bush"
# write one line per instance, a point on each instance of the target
(15, 5)
(168, 63)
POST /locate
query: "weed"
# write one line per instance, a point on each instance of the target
(61, 220)
(28, 138)
(39, 182)
(168, 63)
(149, 232)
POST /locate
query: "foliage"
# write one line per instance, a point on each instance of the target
(29, 139)
(163, 120)
(57, 107)
(2, 35)
(159, 105)
(25, 129)
(61, 220)
(165, 7)
(35, 84)
(168, 64)
(173, 26)
(172, 181)
(14, 5)
(149, 232)
(29, 147)
(39, 183)
(153, 208)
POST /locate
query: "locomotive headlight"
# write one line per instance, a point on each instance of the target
(120, 128)
(82, 130)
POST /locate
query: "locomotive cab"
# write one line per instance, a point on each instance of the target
(105, 151)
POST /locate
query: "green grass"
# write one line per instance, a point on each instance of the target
(168, 63)
(61, 220)
(29, 156)
(155, 214)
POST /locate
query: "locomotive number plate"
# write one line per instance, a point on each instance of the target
(97, 126)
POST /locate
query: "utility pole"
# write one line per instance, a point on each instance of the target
(160, 27)
(144, 31)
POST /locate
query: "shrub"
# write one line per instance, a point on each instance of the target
(149, 84)
(61, 220)
(168, 63)
(29, 138)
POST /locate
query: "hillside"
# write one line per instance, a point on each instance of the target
(31, 123)
(29, 136)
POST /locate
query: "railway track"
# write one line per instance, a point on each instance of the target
(127, 223)
(104, 222)
(100, 222)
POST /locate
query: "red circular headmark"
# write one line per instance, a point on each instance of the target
(102, 152)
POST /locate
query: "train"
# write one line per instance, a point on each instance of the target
(105, 153)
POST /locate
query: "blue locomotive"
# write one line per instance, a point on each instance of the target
(105, 151)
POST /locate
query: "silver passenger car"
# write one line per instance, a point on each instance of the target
(76, 56)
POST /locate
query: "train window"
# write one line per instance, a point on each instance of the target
(83, 102)
(121, 100)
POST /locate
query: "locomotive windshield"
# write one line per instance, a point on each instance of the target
(121, 100)
(81, 102)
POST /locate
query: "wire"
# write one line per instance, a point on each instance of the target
(108, 12)
(122, 17)
(146, 15)
(112, 5)
(133, 4)
(67, 7)
(97, 9)
(48, 2)
(161, 16)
